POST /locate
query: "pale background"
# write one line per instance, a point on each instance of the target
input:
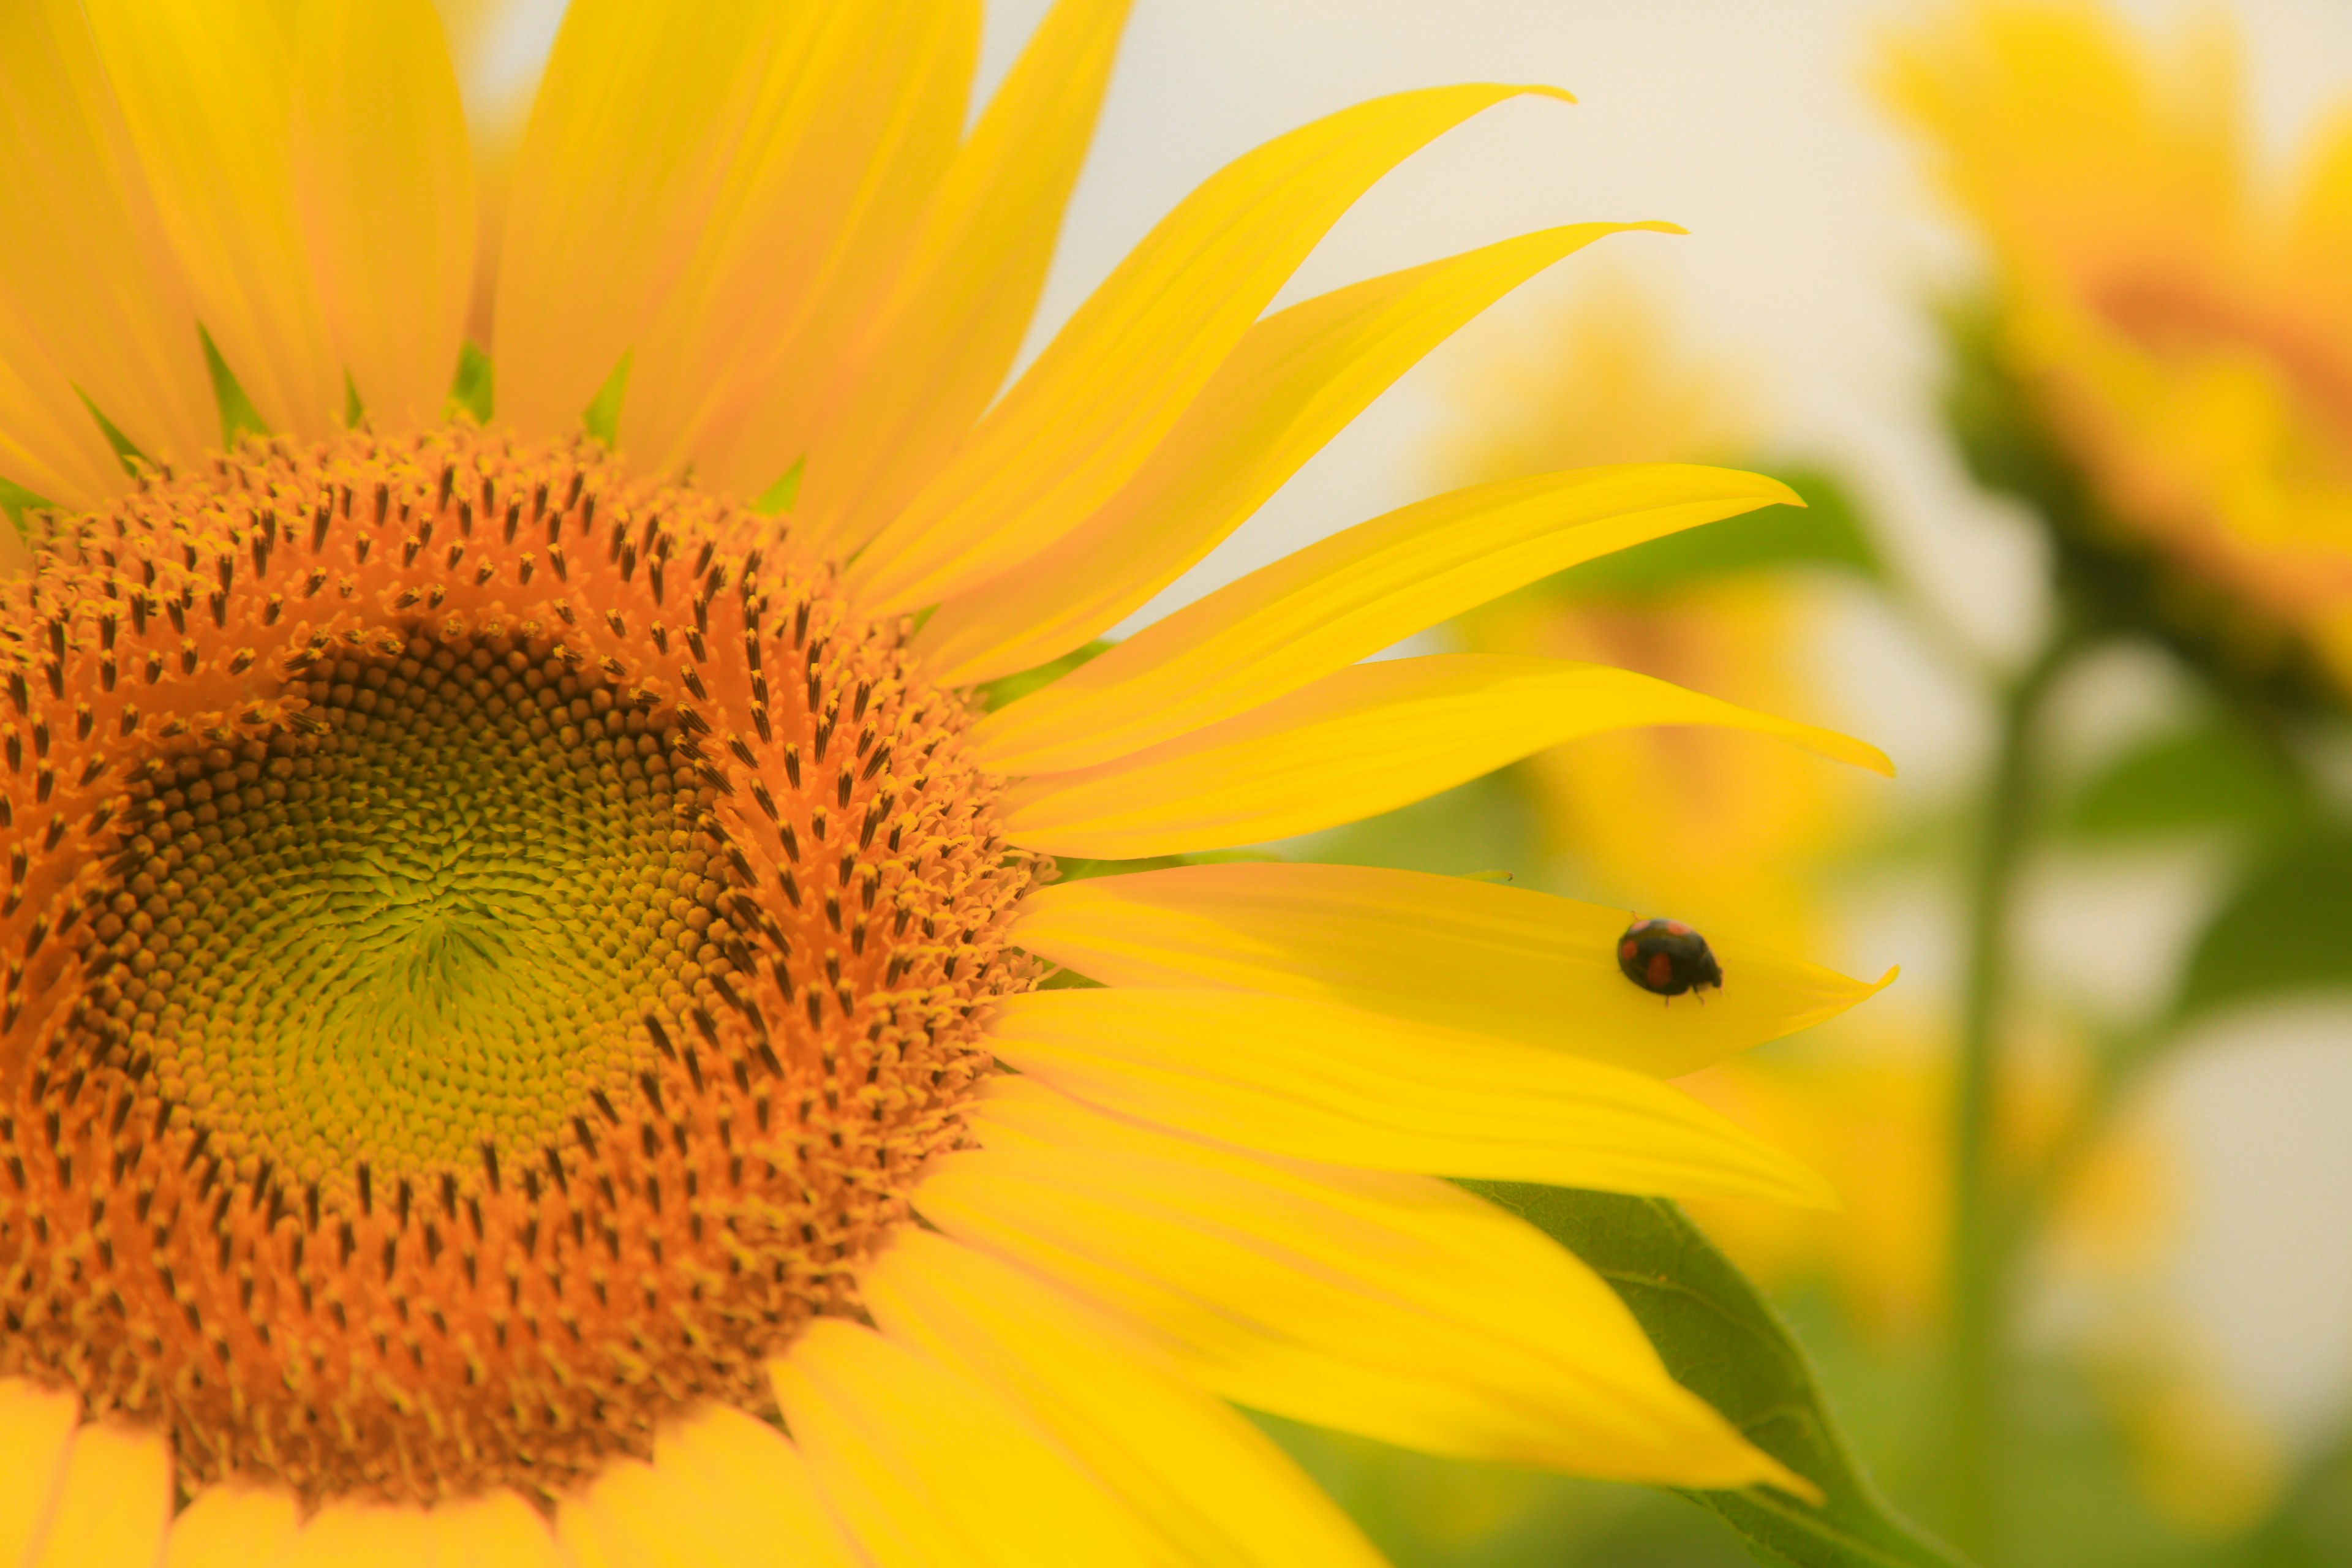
(1812, 251)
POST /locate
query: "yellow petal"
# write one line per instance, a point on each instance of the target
(233, 1527)
(36, 1429)
(926, 1468)
(208, 90)
(1395, 1306)
(113, 1504)
(495, 1530)
(838, 163)
(1115, 380)
(1497, 961)
(725, 1490)
(384, 183)
(1348, 596)
(1220, 1494)
(938, 349)
(1323, 1081)
(347, 1535)
(99, 286)
(1295, 381)
(1366, 740)
(48, 442)
(627, 144)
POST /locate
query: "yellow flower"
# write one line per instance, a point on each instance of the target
(506, 935)
(2185, 333)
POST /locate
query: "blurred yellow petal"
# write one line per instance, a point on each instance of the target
(48, 442)
(838, 163)
(1353, 595)
(939, 349)
(383, 179)
(725, 1490)
(494, 1529)
(1217, 1489)
(2322, 222)
(1469, 955)
(36, 1429)
(1295, 382)
(208, 90)
(353, 1534)
(234, 1526)
(1105, 392)
(1366, 740)
(1395, 1306)
(113, 1503)
(607, 201)
(927, 1468)
(1321, 1081)
(499, 83)
(90, 274)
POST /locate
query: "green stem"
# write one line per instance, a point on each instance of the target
(1983, 1219)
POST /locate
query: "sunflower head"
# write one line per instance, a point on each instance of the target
(415, 1082)
(2177, 335)
(523, 962)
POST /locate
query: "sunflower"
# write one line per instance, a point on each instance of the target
(2177, 320)
(531, 1030)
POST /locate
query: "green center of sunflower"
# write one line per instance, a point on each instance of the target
(489, 947)
(435, 924)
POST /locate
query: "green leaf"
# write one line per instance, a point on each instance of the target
(1825, 532)
(2312, 1526)
(2209, 775)
(2282, 931)
(1723, 1343)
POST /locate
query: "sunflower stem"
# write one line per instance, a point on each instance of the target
(1985, 1225)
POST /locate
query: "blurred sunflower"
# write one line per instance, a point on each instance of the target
(507, 930)
(2182, 330)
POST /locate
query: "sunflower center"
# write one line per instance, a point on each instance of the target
(490, 947)
(440, 921)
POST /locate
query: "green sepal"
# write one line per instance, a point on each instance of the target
(603, 419)
(476, 389)
(237, 415)
(780, 496)
(17, 501)
(995, 694)
(1720, 1340)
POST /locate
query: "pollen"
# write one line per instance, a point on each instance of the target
(489, 944)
